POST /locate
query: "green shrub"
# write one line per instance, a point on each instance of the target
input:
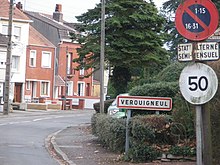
(183, 115)
(110, 131)
(162, 89)
(150, 135)
(142, 153)
(151, 129)
(171, 73)
(107, 103)
(183, 151)
(214, 107)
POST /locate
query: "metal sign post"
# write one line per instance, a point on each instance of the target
(199, 132)
(196, 21)
(127, 131)
(198, 85)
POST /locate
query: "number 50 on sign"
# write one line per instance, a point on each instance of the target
(198, 83)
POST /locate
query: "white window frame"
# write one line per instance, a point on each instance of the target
(69, 61)
(3, 55)
(17, 33)
(81, 89)
(33, 58)
(47, 93)
(69, 88)
(5, 29)
(82, 72)
(15, 65)
(28, 85)
(1, 88)
(46, 63)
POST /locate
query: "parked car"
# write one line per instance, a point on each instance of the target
(114, 111)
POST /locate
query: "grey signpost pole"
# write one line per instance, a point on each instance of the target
(198, 85)
(199, 132)
(127, 131)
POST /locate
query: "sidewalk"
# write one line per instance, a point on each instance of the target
(77, 146)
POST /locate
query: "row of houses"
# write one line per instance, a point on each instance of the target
(42, 55)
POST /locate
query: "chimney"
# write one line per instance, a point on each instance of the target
(58, 15)
(19, 6)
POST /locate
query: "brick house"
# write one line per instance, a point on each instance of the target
(39, 67)
(67, 78)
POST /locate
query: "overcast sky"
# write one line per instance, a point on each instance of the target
(70, 8)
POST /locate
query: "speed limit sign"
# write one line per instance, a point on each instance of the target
(198, 83)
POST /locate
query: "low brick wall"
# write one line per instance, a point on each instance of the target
(43, 106)
(54, 106)
(38, 106)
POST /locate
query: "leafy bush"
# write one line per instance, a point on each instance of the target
(214, 107)
(151, 129)
(150, 135)
(142, 153)
(110, 131)
(171, 73)
(183, 115)
(107, 103)
(162, 89)
(183, 151)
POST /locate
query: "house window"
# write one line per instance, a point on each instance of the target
(69, 62)
(1, 89)
(17, 33)
(5, 29)
(81, 88)
(2, 59)
(70, 88)
(32, 60)
(46, 60)
(28, 85)
(81, 72)
(45, 88)
(15, 63)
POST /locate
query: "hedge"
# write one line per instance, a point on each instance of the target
(161, 89)
(110, 131)
(150, 136)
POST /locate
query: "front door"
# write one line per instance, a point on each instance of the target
(18, 92)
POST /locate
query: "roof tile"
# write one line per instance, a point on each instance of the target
(36, 38)
(18, 14)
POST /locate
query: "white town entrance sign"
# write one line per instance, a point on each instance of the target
(147, 103)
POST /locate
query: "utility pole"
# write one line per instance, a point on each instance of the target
(102, 57)
(8, 62)
(65, 92)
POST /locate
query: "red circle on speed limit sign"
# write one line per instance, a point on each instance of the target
(196, 20)
(198, 83)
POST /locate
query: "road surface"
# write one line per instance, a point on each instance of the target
(23, 134)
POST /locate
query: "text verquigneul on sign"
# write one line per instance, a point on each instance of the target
(203, 51)
(147, 103)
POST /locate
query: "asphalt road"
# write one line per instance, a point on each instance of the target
(23, 134)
